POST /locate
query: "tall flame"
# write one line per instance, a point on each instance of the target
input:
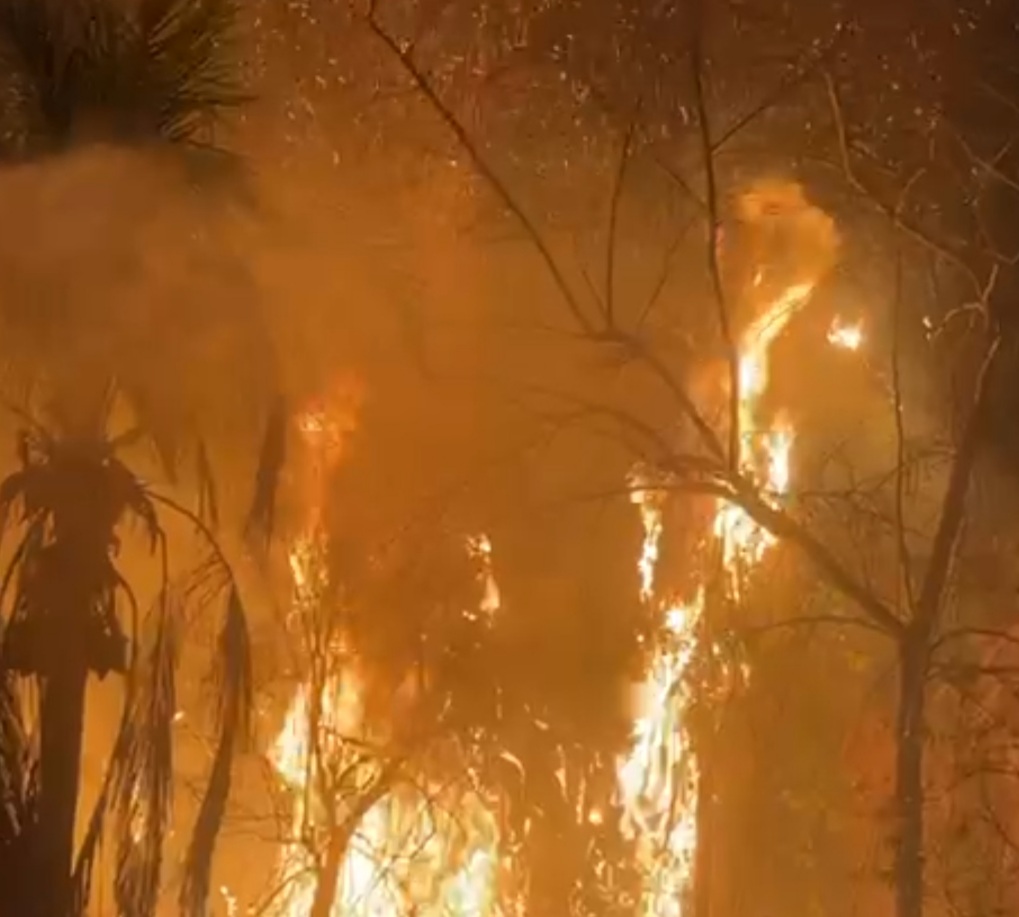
(434, 851)
(764, 452)
(427, 850)
(658, 779)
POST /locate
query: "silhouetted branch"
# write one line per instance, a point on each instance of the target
(612, 242)
(892, 212)
(697, 74)
(904, 562)
(953, 507)
(508, 200)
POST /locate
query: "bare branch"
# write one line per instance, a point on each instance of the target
(697, 65)
(953, 506)
(663, 275)
(784, 526)
(963, 633)
(892, 213)
(452, 123)
(811, 621)
(905, 564)
(611, 244)
(802, 73)
(683, 399)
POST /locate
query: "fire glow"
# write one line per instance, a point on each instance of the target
(415, 848)
(426, 849)
(846, 337)
(659, 779)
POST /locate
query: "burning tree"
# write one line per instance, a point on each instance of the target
(739, 474)
(389, 813)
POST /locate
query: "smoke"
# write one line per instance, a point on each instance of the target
(119, 264)
(778, 240)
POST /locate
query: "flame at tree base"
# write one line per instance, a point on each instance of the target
(432, 850)
(659, 780)
(425, 850)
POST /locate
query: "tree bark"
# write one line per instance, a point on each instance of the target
(909, 798)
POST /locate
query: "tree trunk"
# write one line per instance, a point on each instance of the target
(339, 842)
(329, 878)
(62, 718)
(909, 798)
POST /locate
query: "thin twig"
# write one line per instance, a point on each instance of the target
(953, 506)
(905, 562)
(697, 65)
(892, 213)
(479, 162)
(612, 241)
(664, 273)
(784, 88)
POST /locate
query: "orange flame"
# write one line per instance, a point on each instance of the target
(847, 337)
(658, 779)
(430, 850)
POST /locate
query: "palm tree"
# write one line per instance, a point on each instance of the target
(64, 624)
(152, 74)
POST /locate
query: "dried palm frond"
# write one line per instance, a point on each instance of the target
(186, 44)
(208, 502)
(144, 772)
(19, 793)
(272, 456)
(234, 681)
(97, 69)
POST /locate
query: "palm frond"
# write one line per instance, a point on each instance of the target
(145, 770)
(233, 670)
(84, 867)
(13, 756)
(208, 502)
(190, 71)
(161, 73)
(19, 793)
(66, 52)
(272, 457)
(72, 495)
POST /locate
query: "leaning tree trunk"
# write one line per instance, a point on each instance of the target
(909, 795)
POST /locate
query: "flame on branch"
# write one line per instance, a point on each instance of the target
(429, 848)
(782, 248)
(394, 845)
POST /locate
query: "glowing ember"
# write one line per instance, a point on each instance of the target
(649, 503)
(848, 337)
(229, 900)
(480, 548)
